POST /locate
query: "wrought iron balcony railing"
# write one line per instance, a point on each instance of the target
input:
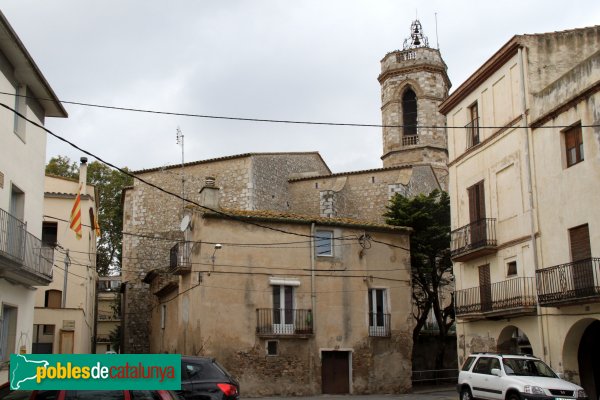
(509, 297)
(379, 324)
(279, 321)
(474, 240)
(23, 256)
(571, 283)
(472, 129)
(180, 258)
(103, 339)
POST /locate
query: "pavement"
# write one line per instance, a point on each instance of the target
(424, 393)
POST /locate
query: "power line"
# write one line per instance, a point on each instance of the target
(267, 120)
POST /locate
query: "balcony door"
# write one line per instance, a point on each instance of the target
(581, 254)
(477, 215)
(283, 309)
(377, 310)
(485, 288)
(16, 228)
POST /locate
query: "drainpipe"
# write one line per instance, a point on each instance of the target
(527, 130)
(313, 296)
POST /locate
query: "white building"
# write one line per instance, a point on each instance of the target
(524, 191)
(24, 262)
(65, 310)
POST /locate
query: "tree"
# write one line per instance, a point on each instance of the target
(109, 183)
(431, 267)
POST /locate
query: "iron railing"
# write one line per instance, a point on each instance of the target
(410, 140)
(103, 339)
(570, 282)
(22, 247)
(472, 129)
(511, 294)
(180, 258)
(276, 321)
(379, 324)
(476, 235)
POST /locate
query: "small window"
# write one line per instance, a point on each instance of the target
(163, 315)
(473, 126)
(49, 233)
(511, 268)
(53, 298)
(48, 329)
(272, 347)
(324, 243)
(574, 145)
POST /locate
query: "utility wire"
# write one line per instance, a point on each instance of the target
(277, 121)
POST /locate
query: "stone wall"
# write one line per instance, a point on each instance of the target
(363, 195)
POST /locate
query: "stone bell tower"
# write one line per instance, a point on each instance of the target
(413, 84)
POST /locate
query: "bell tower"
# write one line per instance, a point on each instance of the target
(414, 83)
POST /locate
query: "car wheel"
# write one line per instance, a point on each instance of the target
(513, 396)
(465, 394)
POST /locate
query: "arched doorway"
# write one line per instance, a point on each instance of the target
(513, 340)
(581, 355)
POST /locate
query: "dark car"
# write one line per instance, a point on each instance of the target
(6, 393)
(204, 378)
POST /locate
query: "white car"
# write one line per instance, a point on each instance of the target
(513, 377)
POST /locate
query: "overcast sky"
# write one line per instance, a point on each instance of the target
(314, 60)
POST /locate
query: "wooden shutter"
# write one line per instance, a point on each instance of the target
(485, 287)
(580, 243)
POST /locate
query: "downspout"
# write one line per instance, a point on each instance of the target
(313, 296)
(527, 130)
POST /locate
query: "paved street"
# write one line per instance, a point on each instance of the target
(445, 393)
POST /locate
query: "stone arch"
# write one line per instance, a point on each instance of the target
(580, 355)
(513, 339)
(408, 84)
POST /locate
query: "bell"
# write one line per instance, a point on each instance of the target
(417, 42)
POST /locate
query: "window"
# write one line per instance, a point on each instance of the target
(511, 268)
(163, 315)
(53, 298)
(467, 365)
(48, 330)
(574, 145)
(271, 347)
(324, 243)
(378, 318)
(17, 203)
(8, 331)
(473, 126)
(49, 233)
(409, 112)
(283, 309)
(485, 365)
(20, 107)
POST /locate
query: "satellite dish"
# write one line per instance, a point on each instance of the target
(185, 223)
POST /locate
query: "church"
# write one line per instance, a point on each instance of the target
(282, 270)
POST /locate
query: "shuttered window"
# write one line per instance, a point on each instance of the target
(476, 202)
(574, 145)
(580, 243)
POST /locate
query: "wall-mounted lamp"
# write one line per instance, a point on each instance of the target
(218, 246)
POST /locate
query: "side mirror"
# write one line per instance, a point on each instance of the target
(496, 371)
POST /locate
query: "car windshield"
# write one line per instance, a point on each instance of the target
(527, 367)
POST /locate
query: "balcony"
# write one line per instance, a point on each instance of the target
(379, 325)
(512, 297)
(275, 322)
(179, 257)
(576, 282)
(472, 129)
(103, 339)
(410, 140)
(475, 240)
(23, 257)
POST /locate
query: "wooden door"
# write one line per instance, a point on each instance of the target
(67, 341)
(581, 254)
(477, 215)
(335, 372)
(485, 288)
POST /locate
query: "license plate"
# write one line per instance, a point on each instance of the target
(563, 398)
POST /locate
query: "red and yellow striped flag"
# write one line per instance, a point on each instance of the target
(76, 215)
(96, 226)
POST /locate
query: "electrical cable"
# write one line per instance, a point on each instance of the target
(278, 121)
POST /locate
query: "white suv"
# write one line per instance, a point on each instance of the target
(513, 377)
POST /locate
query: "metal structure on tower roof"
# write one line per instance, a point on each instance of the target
(417, 38)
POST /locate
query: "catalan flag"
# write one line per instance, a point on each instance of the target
(76, 215)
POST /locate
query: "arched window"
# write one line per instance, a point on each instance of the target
(409, 112)
(53, 298)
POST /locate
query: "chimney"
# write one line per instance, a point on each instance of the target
(83, 174)
(209, 194)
